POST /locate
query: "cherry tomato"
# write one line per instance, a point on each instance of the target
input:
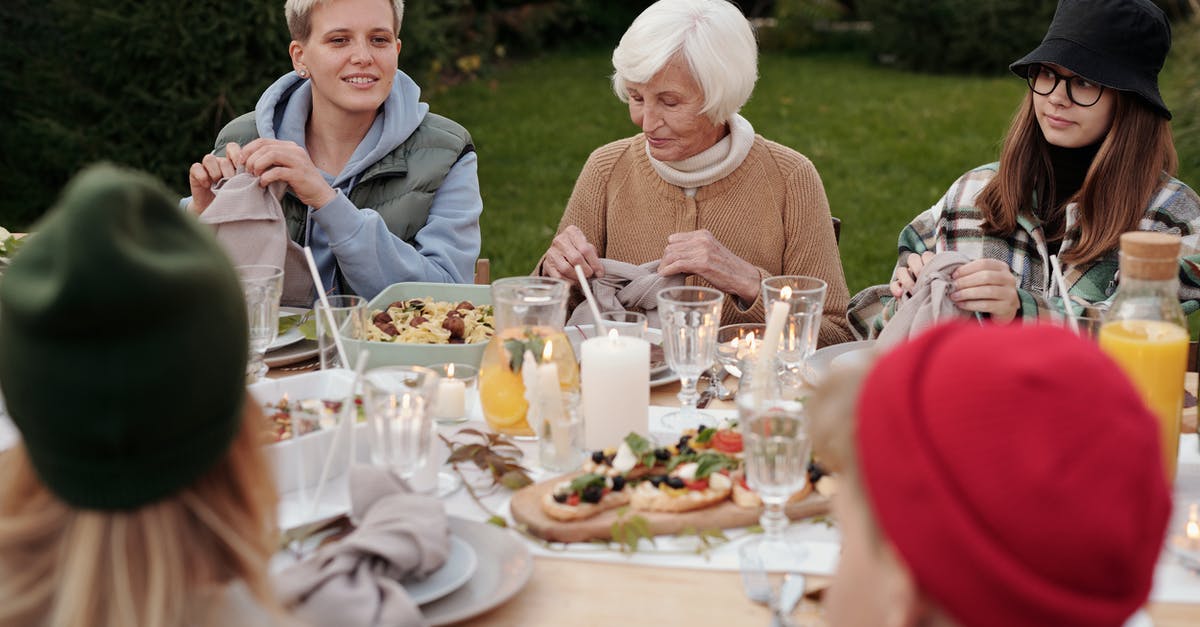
(573, 500)
(727, 441)
(698, 484)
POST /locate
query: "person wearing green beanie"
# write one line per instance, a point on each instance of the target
(139, 493)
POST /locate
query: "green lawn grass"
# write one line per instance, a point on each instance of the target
(887, 143)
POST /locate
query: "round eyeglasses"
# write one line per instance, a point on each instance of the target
(1043, 81)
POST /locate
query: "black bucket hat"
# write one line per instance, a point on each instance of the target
(1120, 44)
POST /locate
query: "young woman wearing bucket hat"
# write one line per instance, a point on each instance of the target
(1088, 156)
(139, 493)
(956, 512)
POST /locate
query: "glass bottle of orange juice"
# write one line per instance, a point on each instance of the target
(1146, 333)
(529, 346)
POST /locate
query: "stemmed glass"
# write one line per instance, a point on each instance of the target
(690, 317)
(262, 287)
(777, 447)
(735, 342)
(805, 297)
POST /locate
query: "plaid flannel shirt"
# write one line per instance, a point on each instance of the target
(955, 223)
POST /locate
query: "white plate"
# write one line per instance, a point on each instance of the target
(292, 335)
(825, 358)
(460, 565)
(505, 566)
(662, 375)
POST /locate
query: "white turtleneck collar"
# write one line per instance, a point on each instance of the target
(712, 164)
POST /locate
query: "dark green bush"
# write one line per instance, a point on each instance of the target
(148, 84)
(1182, 94)
(972, 36)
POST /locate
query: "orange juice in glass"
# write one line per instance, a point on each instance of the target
(1153, 354)
(530, 312)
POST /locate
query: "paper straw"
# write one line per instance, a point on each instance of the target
(316, 276)
(601, 331)
(337, 435)
(1062, 290)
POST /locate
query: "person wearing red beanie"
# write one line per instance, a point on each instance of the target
(993, 476)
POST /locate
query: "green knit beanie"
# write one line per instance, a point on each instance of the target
(123, 344)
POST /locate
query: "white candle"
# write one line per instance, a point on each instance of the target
(451, 396)
(616, 389)
(551, 402)
(771, 336)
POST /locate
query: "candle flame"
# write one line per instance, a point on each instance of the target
(548, 352)
(1193, 523)
(786, 292)
(613, 335)
(750, 340)
(450, 371)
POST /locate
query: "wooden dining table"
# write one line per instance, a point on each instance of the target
(575, 593)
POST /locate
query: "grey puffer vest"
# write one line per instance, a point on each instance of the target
(400, 186)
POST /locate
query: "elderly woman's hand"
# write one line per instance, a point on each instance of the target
(571, 248)
(986, 285)
(211, 169)
(699, 253)
(274, 160)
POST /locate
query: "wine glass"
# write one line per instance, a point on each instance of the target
(690, 317)
(776, 448)
(262, 287)
(805, 297)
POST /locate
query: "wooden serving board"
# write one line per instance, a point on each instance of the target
(526, 507)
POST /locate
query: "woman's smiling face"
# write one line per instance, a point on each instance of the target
(351, 55)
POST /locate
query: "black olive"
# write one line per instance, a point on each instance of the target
(608, 459)
(597, 457)
(686, 450)
(662, 454)
(675, 482)
(657, 479)
(592, 494)
(560, 498)
(618, 483)
(683, 440)
(700, 429)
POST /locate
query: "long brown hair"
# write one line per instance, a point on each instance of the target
(1123, 177)
(65, 566)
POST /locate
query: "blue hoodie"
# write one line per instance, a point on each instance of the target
(356, 238)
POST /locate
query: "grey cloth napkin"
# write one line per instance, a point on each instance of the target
(627, 287)
(355, 582)
(930, 301)
(248, 222)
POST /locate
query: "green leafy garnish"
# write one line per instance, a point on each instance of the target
(583, 482)
(642, 449)
(516, 348)
(707, 539)
(708, 462)
(497, 521)
(705, 435)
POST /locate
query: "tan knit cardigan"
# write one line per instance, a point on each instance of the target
(771, 211)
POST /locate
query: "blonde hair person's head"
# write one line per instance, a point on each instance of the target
(148, 566)
(712, 37)
(299, 16)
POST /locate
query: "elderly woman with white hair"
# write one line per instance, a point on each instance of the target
(697, 188)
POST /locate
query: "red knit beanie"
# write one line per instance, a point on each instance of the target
(1017, 473)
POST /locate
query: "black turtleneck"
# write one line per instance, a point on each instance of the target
(1069, 167)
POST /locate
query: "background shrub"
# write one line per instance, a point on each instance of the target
(1182, 94)
(972, 36)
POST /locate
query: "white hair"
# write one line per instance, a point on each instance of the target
(713, 37)
(299, 16)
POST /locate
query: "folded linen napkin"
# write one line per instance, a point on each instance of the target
(248, 222)
(355, 582)
(628, 287)
(930, 302)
